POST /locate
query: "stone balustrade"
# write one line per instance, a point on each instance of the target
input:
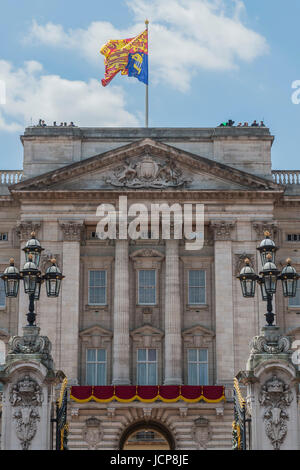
(286, 176)
(8, 177)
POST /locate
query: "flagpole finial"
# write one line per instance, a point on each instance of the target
(146, 22)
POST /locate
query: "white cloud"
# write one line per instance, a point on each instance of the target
(185, 36)
(32, 94)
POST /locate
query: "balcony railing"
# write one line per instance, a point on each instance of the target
(8, 177)
(286, 176)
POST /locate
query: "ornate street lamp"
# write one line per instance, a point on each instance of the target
(268, 277)
(53, 278)
(267, 247)
(248, 279)
(11, 278)
(33, 248)
(32, 277)
(289, 279)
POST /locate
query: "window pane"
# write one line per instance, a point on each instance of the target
(147, 287)
(192, 354)
(97, 287)
(141, 354)
(101, 374)
(203, 374)
(196, 286)
(91, 374)
(142, 374)
(2, 294)
(203, 355)
(152, 373)
(192, 374)
(295, 301)
(151, 354)
(101, 355)
(91, 354)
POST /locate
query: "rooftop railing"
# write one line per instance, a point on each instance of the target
(286, 176)
(8, 177)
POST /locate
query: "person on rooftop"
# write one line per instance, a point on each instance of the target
(254, 124)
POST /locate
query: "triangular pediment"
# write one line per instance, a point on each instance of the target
(95, 330)
(145, 165)
(197, 330)
(147, 330)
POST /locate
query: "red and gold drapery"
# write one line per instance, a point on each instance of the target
(148, 393)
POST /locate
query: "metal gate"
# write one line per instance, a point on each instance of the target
(241, 426)
(62, 427)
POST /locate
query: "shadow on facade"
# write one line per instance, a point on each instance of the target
(147, 435)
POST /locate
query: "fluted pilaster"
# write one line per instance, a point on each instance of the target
(173, 348)
(121, 315)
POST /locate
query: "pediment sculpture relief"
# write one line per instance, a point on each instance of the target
(147, 173)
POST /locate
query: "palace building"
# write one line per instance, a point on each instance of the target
(150, 334)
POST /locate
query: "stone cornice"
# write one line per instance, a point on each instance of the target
(180, 194)
(138, 149)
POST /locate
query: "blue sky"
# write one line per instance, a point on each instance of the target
(210, 60)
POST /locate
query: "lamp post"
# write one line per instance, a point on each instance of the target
(268, 277)
(32, 277)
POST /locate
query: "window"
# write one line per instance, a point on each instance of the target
(96, 367)
(3, 236)
(197, 367)
(2, 294)
(146, 366)
(293, 237)
(147, 287)
(97, 287)
(196, 287)
(295, 301)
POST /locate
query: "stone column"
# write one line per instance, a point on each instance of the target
(28, 393)
(121, 315)
(173, 340)
(272, 378)
(70, 299)
(224, 301)
(24, 230)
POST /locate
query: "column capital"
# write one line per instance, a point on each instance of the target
(24, 229)
(222, 229)
(72, 230)
(259, 227)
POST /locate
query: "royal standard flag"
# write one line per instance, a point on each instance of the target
(128, 56)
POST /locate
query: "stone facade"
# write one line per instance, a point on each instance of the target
(68, 173)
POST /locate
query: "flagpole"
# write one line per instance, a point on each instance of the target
(147, 88)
